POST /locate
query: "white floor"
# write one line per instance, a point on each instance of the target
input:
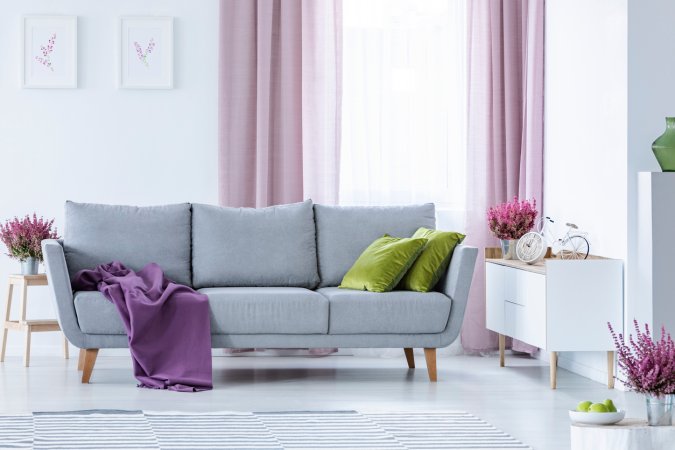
(516, 398)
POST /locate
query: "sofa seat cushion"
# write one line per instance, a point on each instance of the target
(274, 246)
(235, 310)
(397, 312)
(267, 310)
(96, 314)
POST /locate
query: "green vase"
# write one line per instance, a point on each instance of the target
(664, 147)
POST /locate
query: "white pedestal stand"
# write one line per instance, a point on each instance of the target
(629, 434)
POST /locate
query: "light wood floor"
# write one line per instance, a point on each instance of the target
(516, 399)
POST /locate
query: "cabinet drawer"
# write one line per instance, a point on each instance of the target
(524, 288)
(494, 297)
(525, 323)
(516, 303)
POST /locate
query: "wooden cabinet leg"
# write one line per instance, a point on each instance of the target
(410, 357)
(4, 343)
(8, 309)
(610, 370)
(89, 361)
(502, 349)
(554, 369)
(26, 352)
(430, 356)
(80, 360)
(66, 352)
(24, 300)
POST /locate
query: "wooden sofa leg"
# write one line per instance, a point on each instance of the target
(80, 359)
(89, 361)
(430, 356)
(409, 357)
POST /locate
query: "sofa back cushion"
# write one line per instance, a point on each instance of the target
(98, 234)
(274, 246)
(344, 232)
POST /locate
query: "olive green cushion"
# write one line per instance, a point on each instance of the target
(382, 265)
(432, 263)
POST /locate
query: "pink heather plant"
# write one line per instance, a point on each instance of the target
(24, 236)
(649, 366)
(512, 220)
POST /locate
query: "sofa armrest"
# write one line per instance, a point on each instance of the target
(62, 292)
(456, 284)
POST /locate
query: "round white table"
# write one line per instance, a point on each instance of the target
(629, 434)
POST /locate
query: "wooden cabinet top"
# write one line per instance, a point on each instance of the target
(493, 255)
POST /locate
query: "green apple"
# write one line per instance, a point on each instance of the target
(583, 406)
(610, 405)
(598, 407)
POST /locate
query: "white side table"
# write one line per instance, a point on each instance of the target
(629, 434)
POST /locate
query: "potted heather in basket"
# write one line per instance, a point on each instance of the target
(510, 221)
(23, 238)
(649, 368)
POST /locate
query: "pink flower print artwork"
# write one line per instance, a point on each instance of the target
(45, 59)
(143, 55)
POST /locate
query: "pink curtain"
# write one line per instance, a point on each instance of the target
(505, 135)
(280, 96)
(280, 88)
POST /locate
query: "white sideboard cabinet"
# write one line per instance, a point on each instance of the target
(556, 305)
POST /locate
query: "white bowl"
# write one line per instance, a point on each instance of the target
(597, 418)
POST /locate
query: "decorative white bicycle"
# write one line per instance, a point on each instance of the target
(532, 247)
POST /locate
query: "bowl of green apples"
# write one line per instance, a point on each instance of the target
(590, 413)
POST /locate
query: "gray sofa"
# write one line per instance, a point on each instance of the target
(270, 275)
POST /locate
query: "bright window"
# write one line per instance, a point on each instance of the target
(404, 103)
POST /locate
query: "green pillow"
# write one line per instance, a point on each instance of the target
(433, 261)
(382, 265)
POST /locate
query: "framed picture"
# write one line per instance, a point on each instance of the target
(146, 53)
(49, 52)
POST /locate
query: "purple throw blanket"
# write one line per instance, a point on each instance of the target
(168, 324)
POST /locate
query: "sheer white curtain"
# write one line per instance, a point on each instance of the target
(404, 109)
(404, 104)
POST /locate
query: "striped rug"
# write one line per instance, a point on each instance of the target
(131, 430)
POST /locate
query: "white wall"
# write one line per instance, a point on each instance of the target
(585, 136)
(99, 143)
(651, 98)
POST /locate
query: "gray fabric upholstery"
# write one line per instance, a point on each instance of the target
(343, 232)
(267, 310)
(434, 340)
(456, 284)
(273, 246)
(397, 312)
(97, 234)
(422, 340)
(274, 313)
(96, 314)
(235, 310)
(62, 293)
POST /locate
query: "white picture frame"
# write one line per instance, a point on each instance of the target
(145, 53)
(49, 49)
